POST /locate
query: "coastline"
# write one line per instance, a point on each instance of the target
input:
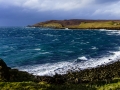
(64, 28)
(102, 77)
(89, 28)
(79, 24)
(100, 73)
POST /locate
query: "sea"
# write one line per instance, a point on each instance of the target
(47, 51)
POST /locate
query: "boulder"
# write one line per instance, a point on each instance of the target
(4, 71)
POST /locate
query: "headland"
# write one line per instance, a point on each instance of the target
(79, 24)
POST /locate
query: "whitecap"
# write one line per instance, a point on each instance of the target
(55, 40)
(113, 32)
(82, 58)
(62, 67)
(94, 48)
(102, 29)
(45, 53)
(37, 49)
(50, 35)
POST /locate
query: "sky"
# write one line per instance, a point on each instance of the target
(28, 12)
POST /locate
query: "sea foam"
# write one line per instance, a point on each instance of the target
(51, 69)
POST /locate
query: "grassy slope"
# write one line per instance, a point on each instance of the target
(99, 24)
(54, 25)
(114, 85)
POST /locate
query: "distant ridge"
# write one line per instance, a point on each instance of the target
(80, 24)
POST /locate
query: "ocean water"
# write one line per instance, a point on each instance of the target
(45, 51)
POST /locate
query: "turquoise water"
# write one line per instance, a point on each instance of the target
(44, 51)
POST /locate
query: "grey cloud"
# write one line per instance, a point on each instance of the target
(17, 15)
(106, 1)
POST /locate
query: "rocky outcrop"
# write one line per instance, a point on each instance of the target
(14, 75)
(4, 71)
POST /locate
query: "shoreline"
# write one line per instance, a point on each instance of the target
(106, 77)
(92, 28)
(79, 28)
(100, 73)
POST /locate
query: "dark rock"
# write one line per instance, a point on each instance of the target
(4, 71)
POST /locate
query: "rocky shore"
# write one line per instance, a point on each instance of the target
(103, 73)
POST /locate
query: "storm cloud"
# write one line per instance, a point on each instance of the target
(24, 12)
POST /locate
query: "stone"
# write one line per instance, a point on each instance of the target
(4, 71)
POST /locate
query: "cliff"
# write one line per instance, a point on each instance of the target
(80, 24)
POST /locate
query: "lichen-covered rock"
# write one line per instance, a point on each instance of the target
(4, 71)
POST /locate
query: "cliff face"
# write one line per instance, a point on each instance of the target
(80, 24)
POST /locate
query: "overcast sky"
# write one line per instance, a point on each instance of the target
(24, 12)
